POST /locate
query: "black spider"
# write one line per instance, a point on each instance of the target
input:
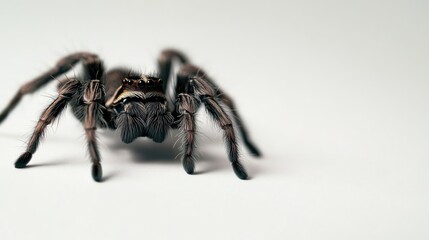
(136, 105)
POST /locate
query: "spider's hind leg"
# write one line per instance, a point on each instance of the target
(62, 66)
(165, 64)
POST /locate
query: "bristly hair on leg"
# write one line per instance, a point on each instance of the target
(187, 106)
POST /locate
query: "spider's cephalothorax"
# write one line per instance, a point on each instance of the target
(136, 105)
(141, 108)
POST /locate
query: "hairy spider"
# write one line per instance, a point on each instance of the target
(136, 105)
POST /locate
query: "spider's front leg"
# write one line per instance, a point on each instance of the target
(165, 62)
(190, 92)
(90, 111)
(206, 94)
(65, 94)
(93, 98)
(186, 106)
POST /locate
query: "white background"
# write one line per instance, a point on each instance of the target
(334, 93)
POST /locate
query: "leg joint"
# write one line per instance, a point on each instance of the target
(45, 121)
(206, 97)
(89, 129)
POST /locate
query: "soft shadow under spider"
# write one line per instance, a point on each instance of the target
(147, 151)
(47, 164)
(109, 175)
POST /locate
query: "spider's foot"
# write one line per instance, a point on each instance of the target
(253, 149)
(97, 172)
(23, 160)
(188, 164)
(3, 116)
(239, 170)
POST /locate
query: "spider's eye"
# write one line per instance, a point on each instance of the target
(160, 81)
(150, 83)
(141, 83)
(128, 81)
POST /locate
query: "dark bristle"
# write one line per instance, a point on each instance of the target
(133, 75)
(155, 78)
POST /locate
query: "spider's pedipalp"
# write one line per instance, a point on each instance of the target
(131, 121)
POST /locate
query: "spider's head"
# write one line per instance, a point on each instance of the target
(142, 108)
(137, 88)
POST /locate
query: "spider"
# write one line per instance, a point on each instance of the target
(135, 105)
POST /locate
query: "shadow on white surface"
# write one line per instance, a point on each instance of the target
(210, 154)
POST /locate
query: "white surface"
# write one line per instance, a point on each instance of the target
(335, 94)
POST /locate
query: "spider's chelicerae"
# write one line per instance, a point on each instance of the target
(136, 105)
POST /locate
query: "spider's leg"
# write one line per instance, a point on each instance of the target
(93, 98)
(204, 90)
(91, 91)
(186, 106)
(201, 89)
(241, 127)
(62, 66)
(222, 97)
(92, 110)
(165, 62)
(65, 94)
